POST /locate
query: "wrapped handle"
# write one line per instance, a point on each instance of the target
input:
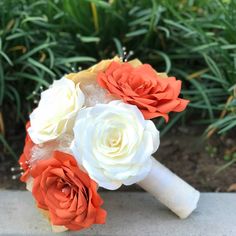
(170, 190)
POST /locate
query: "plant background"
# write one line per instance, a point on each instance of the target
(193, 40)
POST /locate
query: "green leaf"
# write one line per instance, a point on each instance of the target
(100, 3)
(60, 61)
(199, 87)
(34, 18)
(136, 33)
(35, 50)
(118, 46)
(88, 39)
(16, 99)
(35, 78)
(6, 58)
(8, 147)
(213, 66)
(41, 66)
(228, 127)
(178, 25)
(18, 35)
(2, 84)
(204, 47)
(51, 57)
(166, 59)
(171, 123)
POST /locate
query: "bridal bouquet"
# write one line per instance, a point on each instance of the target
(93, 129)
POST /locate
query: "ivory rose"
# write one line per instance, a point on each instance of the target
(139, 84)
(113, 142)
(56, 111)
(67, 193)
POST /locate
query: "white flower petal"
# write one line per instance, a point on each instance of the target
(114, 143)
(56, 112)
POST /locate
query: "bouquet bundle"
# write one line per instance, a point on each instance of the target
(93, 129)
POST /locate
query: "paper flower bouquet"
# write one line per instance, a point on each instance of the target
(92, 129)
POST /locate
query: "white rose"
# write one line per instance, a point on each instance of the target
(56, 112)
(114, 143)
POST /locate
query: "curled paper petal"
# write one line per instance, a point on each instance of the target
(155, 94)
(56, 111)
(67, 193)
(117, 144)
(170, 190)
(89, 76)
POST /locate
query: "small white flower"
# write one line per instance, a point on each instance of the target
(114, 143)
(56, 112)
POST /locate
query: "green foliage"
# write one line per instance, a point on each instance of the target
(192, 40)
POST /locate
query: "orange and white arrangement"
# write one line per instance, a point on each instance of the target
(93, 129)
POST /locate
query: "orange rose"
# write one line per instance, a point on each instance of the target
(67, 193)
(140, 85)
(26, 155)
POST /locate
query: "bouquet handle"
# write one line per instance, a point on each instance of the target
(170, 190)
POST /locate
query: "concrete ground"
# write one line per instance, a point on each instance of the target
(128, 214)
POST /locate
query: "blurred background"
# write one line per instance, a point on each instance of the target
(195, 41)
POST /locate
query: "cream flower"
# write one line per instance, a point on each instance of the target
(114, 143)
(89, 75)
(56, 112)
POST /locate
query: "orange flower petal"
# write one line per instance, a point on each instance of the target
(182, 105)
(148, 115)
(139, 84)
(67, 192)
(166, 107)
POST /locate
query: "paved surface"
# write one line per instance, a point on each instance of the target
(128, 214)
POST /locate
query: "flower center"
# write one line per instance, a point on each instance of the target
(114, 138)
(66, 190)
